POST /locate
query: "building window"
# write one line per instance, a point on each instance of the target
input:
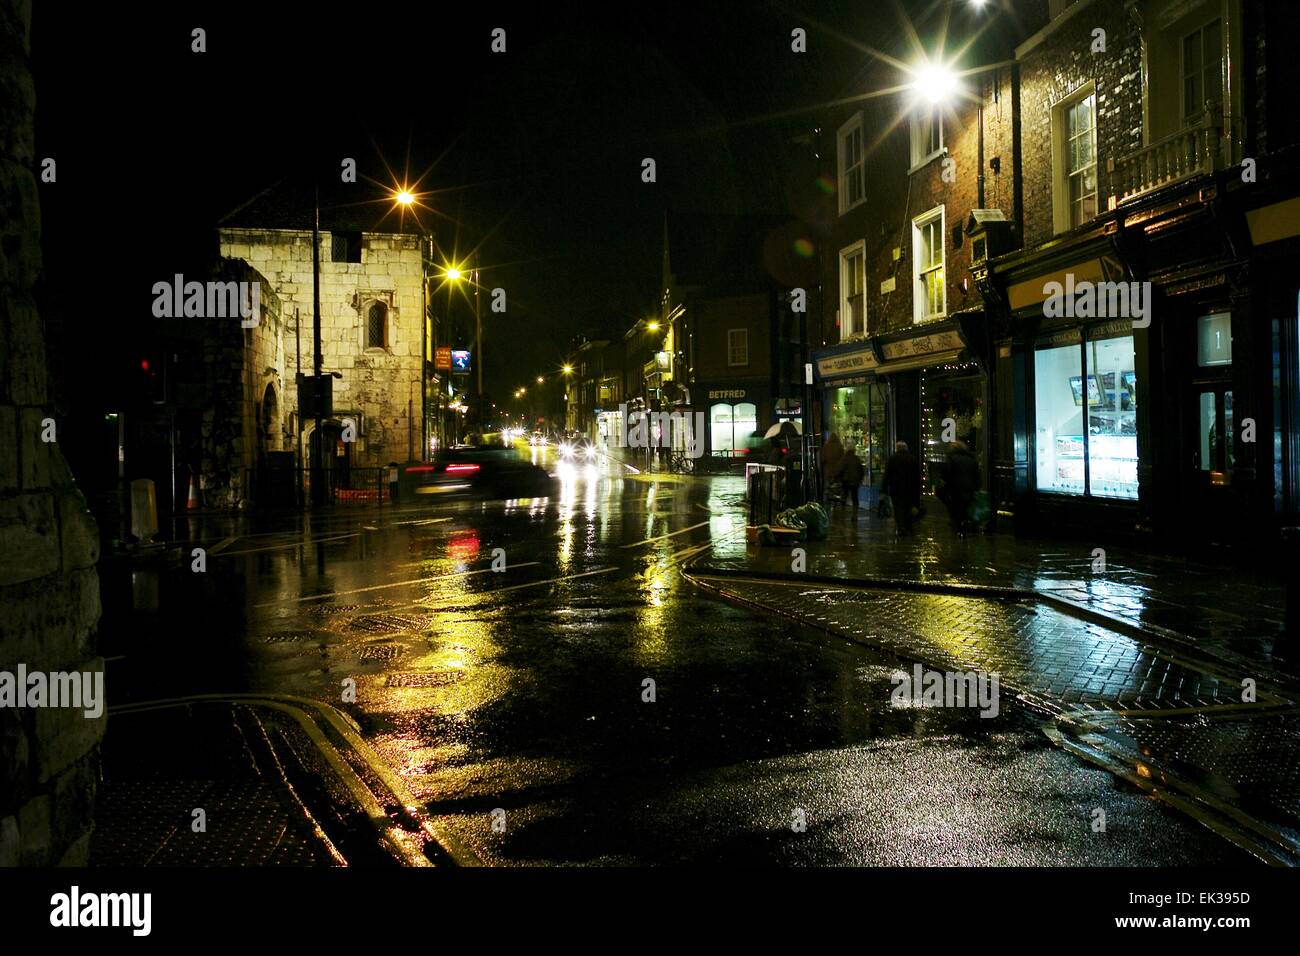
(929, 298)
(737, 346)
(730, 426)
(927, 136)
(1202, 61)
(1074, 159)
(853, 301)
(852, 169)
(1085, 406)
(377, 326)
(345, 246)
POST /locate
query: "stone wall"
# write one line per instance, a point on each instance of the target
(377, 383)
(49, 588)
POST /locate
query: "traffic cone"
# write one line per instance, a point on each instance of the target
(192, 504)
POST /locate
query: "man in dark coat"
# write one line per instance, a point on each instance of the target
(961, 479)
(902, 482)
(851, 475)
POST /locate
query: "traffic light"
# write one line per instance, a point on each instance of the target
(151, 379)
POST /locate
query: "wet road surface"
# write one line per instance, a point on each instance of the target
(515, 700)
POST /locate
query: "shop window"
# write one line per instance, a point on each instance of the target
(1214, 340)
(858, 415)
(721, 434)
(853, 302)
(953, 402)
(1085, 403)
(929, 300)
(852, 169)
(744, 422)
(1074, 159)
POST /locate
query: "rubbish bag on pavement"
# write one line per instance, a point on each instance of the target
(815, 519)
(979, 510)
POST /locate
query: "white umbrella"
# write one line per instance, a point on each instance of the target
(786, 427)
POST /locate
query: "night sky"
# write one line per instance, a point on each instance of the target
(532, 157)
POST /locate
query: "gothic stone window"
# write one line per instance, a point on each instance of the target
(377, 326)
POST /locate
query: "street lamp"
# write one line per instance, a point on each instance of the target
(935, 82)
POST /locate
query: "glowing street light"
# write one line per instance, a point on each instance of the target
(404, 197)
(540, 380)
(454, 274)
(567, 370)
(652, 326)
(935, 82)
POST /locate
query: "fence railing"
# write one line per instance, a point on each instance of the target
(765, 490)
(1192, 150)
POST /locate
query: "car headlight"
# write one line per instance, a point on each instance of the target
(566, 450)
(591, 451)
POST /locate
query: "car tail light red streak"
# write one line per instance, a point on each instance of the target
(462, 468)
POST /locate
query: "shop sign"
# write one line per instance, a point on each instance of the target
(923, 345)
(832, 366)
(726, 393)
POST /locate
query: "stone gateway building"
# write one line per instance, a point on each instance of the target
(373, 334)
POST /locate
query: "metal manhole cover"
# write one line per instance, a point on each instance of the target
(285, 637)
(380, 652)
(424, 679)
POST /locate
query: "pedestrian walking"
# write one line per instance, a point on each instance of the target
(832, 460)
(902, 483)
(850, 475)
(961, 480)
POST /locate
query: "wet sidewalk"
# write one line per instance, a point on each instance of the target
(249, 780)
(1156, 670)
(1228, 611)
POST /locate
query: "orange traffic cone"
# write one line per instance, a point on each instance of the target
(193, 503)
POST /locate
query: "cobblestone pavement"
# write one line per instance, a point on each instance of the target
(1232, 610)
(1160, 697)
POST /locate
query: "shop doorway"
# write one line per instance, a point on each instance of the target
(1210, 428)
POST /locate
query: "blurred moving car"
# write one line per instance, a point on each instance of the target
(578, 451)
(479, 471)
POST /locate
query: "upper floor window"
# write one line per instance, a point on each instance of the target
(852, 186)
(930, 298)
(853, 302)
(1074, 159)
(737, 346)
(927, 136)
(1202, 62)
(345, 247)
(377, 326)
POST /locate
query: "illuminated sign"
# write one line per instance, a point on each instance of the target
(460, 360)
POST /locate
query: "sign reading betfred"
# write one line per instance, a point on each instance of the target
(460, 360)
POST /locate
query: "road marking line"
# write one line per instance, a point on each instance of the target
(419, 521)
(223, 544)
(426, 606)
(671, 534)
(293, 544)
(382, 587)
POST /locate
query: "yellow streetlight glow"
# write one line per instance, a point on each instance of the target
(652, 326)
(453, 273)
(935, 82)
(567, 370)
(404, 198)
(539, 380)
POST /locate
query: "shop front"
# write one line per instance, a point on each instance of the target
(735, 416)
(925, 390)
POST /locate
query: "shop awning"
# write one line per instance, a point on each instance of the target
(920, 361)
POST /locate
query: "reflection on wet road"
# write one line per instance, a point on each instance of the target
(545, 658)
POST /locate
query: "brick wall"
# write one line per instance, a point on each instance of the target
(49, 588)
(894, 198)
(1054, 69)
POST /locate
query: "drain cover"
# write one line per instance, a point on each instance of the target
(424, 679)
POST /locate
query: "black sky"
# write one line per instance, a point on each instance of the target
(533, 156)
